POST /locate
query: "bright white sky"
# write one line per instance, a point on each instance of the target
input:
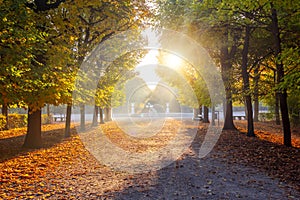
(146, 68)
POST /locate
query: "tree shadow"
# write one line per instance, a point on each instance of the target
(178, 179)
(190, 177)
(12, 147)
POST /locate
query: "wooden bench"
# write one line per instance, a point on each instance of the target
(59, 118)
(239, 117)
(198, 118)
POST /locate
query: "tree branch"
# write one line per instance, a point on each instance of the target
(42, 5)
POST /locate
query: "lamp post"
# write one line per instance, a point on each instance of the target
(132, 108)
(149, 106)
(167, 107)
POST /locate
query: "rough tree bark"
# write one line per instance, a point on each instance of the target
(205, 114)
(276, 104)
(82, 117)
(33, 138)
(226, 57)
(107, 117)
(101, 116)
(246, 83)
(48, 114)
(5, 113)
(277, 109)
(95, 116)
(68, 121)
(213, 117)
(282, 94)
(256, 94)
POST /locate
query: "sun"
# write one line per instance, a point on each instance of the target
(173, 61)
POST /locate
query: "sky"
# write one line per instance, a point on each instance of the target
(146, 69)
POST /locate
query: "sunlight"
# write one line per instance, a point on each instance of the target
(150, 58)
(172, 61)
(146, 69)
(152, 86)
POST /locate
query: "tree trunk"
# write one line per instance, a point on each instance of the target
(33, 138)
(213, 117)
(250, 125)
(5, 113)
(245, 108)
(256, 109)
(226, 76)
(68, 121)
(228, 123)
(48, 121)
(101, 116)
(276, 96)
(277, 109)
(107, 114)
(82, 117)
(246, 85)
(256, 94)
(285, 119)
(95, 116)
(200, 110)
(280, 77)
(205, 115)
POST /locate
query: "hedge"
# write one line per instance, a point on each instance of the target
(2, 122)
(20, 120)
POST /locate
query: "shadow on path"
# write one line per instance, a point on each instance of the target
(212, 177)
(12, 147)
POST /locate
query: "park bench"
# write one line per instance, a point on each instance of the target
(198, 118)
(59, 118)
(239, 117)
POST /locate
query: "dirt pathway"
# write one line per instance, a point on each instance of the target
(190, 178)
(238, 168)
(220, 175)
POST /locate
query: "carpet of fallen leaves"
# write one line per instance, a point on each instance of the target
(269, 131)
(265, 151)
(40, 173)
(132, 144)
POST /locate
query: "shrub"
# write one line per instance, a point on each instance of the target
(266, 116)
(20, 120)
(46, 119)
(17, 120)
(2, 122)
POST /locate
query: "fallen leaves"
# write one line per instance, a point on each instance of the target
(21, 169)
(275, 159)
(132, 144)
(271, 132)
(64, 169)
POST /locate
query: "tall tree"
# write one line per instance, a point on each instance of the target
(97, 21)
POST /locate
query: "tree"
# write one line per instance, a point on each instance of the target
(97, 21)
(111, 86)
(215, 29)
(192, 90)
(280, 25)
(17, 41)
(75, 34)
(37, 74)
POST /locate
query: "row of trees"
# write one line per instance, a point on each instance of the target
(254, 43)
(192, 89)
(42, 46)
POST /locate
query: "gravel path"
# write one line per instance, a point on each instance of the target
(239, 167)
(212, 177)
